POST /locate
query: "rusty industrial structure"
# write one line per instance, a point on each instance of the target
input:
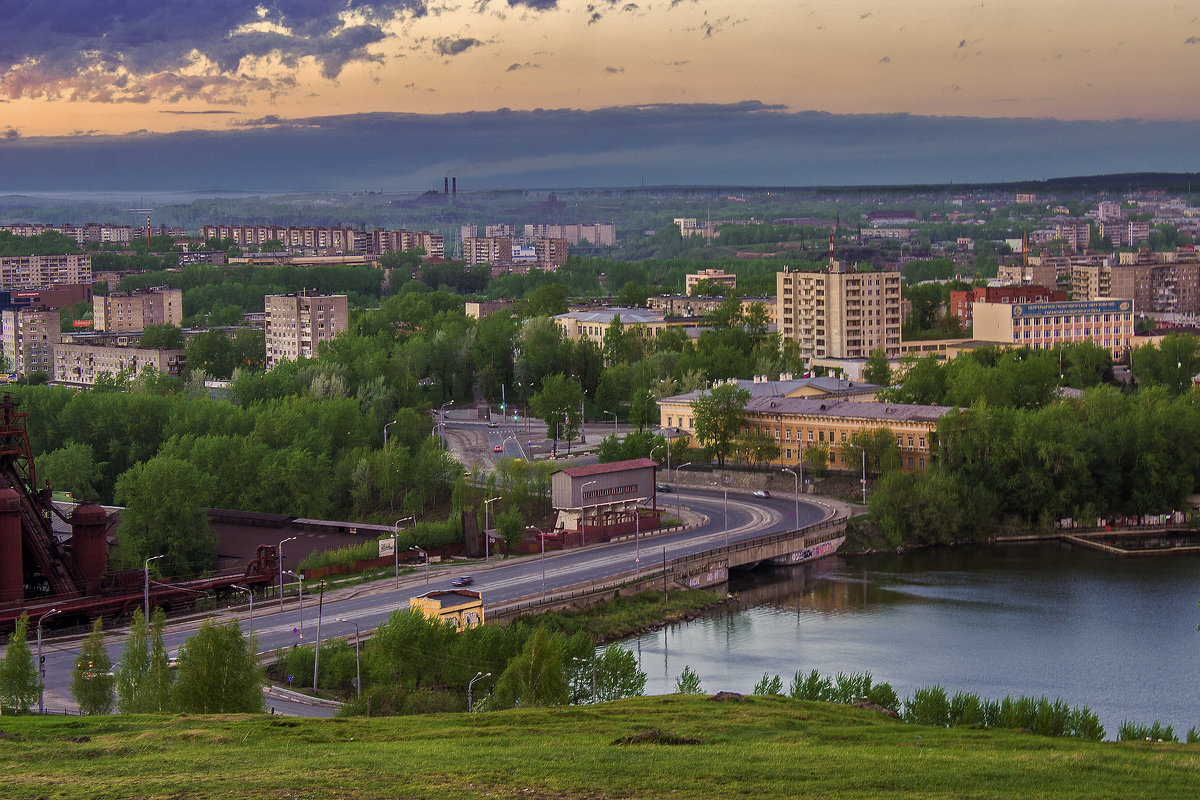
(40, 571)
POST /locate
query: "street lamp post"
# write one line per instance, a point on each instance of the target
(396, 546)
(250, 596)
(796, 520)
(614, 416)
(592, 660)
(41, 664)
(357, 668)
(471, 688)
(146, 589)
(300, 594)
(864, 469)
(442, 423)
(486, 555)
(583, 513)
(678, 499)
(426, 555)
(542, 559)
(726, 490)
(279, 563)
(385, 427)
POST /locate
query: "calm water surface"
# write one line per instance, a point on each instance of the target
(1115, 634)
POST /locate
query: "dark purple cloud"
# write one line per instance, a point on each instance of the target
(449, 46)
(134, 50)
(746, 143)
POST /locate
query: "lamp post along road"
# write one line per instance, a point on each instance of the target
(592, 660)
(863, 450)
(471, 688)
(583, 513)
(614, 416)
(250, 596)
(146, 589)
(426, 555)
(41, 664)
(357, 667)
(796, 519)
(678, 499)
(486, 554)
(279, 564)
(385, 427)
(396, 546)
(300, 592)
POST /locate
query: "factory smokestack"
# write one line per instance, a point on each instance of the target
(445, 186)
(454, 186)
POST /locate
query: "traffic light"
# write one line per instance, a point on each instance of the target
(503, 406)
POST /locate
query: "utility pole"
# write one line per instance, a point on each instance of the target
(317, 652)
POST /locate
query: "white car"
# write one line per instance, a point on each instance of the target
(762, 493)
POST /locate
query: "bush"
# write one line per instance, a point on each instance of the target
(1131, 731)
(688, 682)
(966, 710)
(768, 686)
(811, 687)
(928, 706)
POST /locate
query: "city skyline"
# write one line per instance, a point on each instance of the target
(85, 77)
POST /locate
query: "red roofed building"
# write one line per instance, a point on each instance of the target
(599, 502)
(962, 299)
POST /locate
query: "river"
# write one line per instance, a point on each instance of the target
(1115, 634)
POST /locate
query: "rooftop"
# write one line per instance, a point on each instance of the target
(828, 385)
(815, 406)
(629, 316)
(612, 466)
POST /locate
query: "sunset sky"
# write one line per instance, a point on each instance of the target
(97, 69)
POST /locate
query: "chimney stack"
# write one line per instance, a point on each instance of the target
(445, 186)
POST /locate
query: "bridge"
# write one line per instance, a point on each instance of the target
(698, 570)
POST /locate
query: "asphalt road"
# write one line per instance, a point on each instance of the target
(499, 581)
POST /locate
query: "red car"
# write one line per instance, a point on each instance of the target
(498, 448)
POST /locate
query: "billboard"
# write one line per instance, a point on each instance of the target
(387, 547)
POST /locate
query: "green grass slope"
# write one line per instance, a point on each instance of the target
(757, 748)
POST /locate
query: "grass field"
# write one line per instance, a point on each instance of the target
(757, 748)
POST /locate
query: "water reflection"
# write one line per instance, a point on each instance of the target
(1116, 634)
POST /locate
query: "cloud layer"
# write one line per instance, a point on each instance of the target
(139, 50)
(748, 143)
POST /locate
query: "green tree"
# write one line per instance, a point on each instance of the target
(719, 416)
(165, 500)
(132, 671)
(72, 468)
(643, 411)
(219, 672)
(92, 680)
(877, 370)
(617, 675)
(688, 682)
(19, 683)
(547, 300)
(162, 336)
(632, 295)
(510, 527)
(212, 352)
(558, 405)
(535, 677)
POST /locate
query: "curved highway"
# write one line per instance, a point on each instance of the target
(499, 581)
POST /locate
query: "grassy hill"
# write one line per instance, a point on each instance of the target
(672, 746)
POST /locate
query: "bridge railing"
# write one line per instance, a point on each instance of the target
(656, 569)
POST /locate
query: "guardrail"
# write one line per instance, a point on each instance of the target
(671, 566)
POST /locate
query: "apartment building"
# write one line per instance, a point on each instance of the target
(78, 363)
(677, 305)
(1108, 323)
(840, 314)
(593, 323)
(603, 234)
(29, 336)
(488, 250)
(1163, 282)
(133, 311)
(719, 276)
(550, 253)
(296, 324)
(33, 272)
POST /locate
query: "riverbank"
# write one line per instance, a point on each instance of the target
(754, 747)
(623, 617)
